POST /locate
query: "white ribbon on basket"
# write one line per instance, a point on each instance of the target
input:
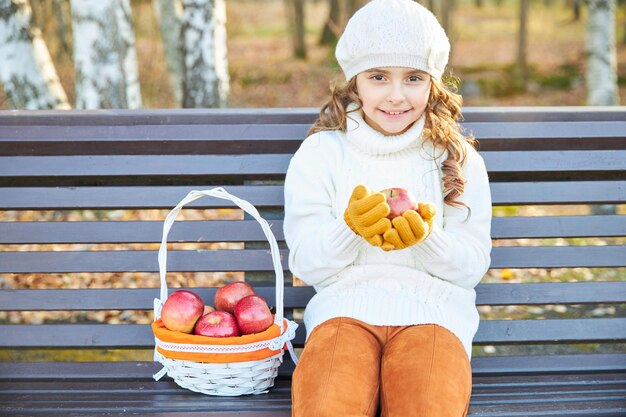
(274, 344)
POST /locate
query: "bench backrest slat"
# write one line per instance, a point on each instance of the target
(249, 231)
(39, 198)
(259, 260)
(297, 297)
(140, 335)
(578, 163)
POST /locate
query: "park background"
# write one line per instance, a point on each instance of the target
(264, 71)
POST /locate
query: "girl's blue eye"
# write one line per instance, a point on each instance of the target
(414, 78)
(377, 77)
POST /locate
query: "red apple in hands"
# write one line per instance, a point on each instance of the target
(253, 315)
(227, 297)
(399, 200)
(181, 311)
(217, 324)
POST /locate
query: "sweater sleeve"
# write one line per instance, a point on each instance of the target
(320, 244)
(459, 251)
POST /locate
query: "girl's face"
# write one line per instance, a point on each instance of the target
(393, 97)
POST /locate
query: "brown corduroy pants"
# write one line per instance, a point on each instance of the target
(350, 368)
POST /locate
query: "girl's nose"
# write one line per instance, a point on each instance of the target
(396, 94)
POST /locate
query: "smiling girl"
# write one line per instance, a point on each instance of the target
(390, 328)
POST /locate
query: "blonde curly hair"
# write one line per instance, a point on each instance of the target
(443, 114)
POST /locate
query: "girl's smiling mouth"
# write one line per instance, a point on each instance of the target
(394, 113)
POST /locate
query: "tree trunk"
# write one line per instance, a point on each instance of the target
(601, 65)
(575, 5)
(27, 73)
(205, 62)
(447, 7)
(104, 55)
(332, 27)
(522, 42)
(169, 14)
(295, 19)
(62, 29)
(601, 55)
(433, 6)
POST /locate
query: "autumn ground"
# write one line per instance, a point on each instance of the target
(484, 42)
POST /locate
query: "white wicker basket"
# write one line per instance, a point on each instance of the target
(231, 378)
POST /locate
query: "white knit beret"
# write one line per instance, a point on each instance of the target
(393, 33)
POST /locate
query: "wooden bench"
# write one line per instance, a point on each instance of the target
(544, 347)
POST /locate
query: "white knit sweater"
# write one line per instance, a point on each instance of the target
(431, 282)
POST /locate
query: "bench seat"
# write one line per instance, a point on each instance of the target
(546, 346)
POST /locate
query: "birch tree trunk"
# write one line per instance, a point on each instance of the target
(169, 14)
(601, 56)
(205, 61)
(105, 57)
(27, 73)
(601, 65)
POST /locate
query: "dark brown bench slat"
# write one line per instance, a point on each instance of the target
(547, 143)
(76, 198)
(248, 230)
(138, 261)
(140, 336)
(139, 392)
(511, 370)
(141, 298)
(259, 260)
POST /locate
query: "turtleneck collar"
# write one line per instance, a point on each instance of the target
(372, 142)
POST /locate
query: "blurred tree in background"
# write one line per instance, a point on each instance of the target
(105, 58)
(26, 70)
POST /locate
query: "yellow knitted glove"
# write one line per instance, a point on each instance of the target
(367, 214)
(410, 228)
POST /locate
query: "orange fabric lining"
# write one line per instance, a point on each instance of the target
(165, 335)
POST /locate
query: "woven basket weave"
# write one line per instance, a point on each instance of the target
(222, 366)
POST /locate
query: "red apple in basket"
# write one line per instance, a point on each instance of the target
(227, 297)
(399, 200)
(253, 315)
(181, 311)
(217, 324)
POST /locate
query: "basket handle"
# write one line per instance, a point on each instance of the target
(220, 192)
